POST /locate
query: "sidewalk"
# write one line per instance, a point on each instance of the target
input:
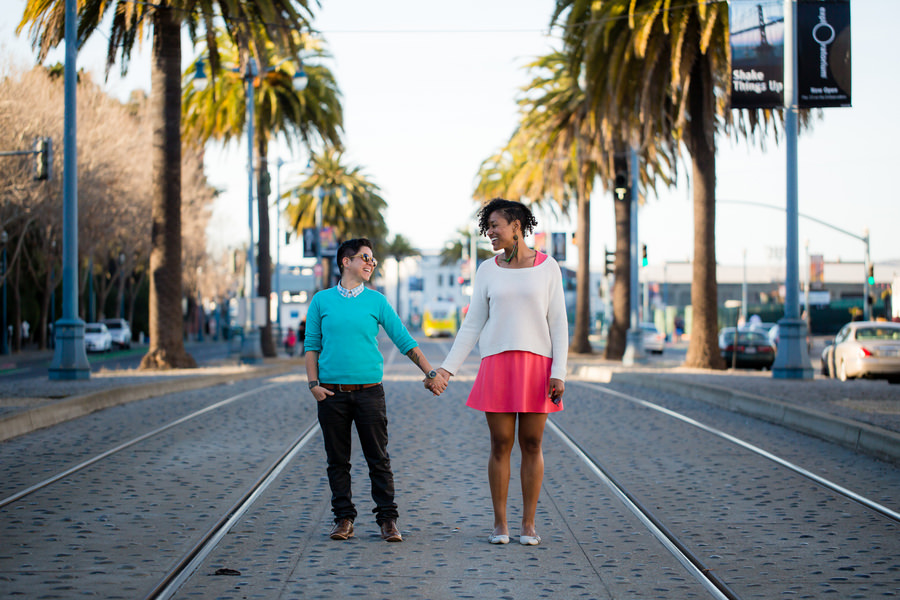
(32, 403)
(864, 415)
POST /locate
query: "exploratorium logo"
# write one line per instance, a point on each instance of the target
(823, 34)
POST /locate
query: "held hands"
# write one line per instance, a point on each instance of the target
(556, 388)
(437, 385)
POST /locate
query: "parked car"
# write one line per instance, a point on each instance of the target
(119, 331)
(864, 349)
(97, 338)
(746, 348)
(653, 340)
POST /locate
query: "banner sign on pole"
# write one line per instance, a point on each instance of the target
(558, 250)
(757, 54)
(823, 53)
(816, 272)
(328, 242)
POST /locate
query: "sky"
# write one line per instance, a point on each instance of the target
(429, 92)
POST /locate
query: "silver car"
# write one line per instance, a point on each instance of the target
(97, 338)
(653, 340)
(119, 331)
(864, 349)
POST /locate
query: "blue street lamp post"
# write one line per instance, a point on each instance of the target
(69, 356)
(278, 164)
(250, 348)
(634, 341)
(792, 358)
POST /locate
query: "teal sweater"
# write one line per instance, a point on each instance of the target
(344, 330)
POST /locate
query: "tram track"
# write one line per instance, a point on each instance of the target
(192, 559)
(680, 550)
(822, 481)
(128, 444)
(184, 567)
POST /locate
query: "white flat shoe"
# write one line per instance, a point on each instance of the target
(529, 540)
(499, 539)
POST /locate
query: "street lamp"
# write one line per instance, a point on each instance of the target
(69, 356)
(634, 341)
(4, 237)
(250, 348)
(278, 164)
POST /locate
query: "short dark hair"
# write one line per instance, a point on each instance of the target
(511, 210)
(349, 248)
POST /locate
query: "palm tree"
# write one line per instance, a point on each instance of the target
(347, 200)
(164, 19)
(400, 248)
(312, 115)
(556, 154)
(455, 249)
(659, 71)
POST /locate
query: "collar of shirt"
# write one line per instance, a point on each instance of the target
(350, 293)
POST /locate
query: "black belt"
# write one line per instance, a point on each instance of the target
(347, 387)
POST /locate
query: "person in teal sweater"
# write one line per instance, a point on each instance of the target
(345, 368)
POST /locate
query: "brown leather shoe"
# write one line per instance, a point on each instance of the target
(389, 531)
(342, 530)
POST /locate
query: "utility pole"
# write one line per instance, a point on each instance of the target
(792, 357)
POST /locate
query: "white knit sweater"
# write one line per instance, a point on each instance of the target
(515, 309)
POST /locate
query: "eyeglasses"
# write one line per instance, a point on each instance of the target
(366, 259)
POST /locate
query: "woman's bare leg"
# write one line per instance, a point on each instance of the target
(503, 436)
(531, 435)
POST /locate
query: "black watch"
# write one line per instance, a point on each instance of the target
(431, 374)
(313, 383)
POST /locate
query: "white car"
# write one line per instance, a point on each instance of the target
(97, 338)
(864, 349)
(653, 340)
(119, 331)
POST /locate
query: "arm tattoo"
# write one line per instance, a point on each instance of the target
(414, 356)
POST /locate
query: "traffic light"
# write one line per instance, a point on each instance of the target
(871, 274)
(644, 261)
(43, 158)
(621, 185)
(310, 242)
(610, 261)
(265, 185)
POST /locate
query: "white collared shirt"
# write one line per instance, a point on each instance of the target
(350, 293)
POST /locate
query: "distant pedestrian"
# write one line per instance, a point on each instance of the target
(290, 342)
(345, 368)
(301, 337)
(518, 318)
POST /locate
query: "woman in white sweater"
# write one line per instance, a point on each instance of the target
(518, 318)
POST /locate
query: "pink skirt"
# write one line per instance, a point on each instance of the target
(513, 382)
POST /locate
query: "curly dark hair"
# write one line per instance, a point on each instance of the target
(511, 210)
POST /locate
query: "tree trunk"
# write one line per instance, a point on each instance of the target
(166, 325)
(703, 348)
(616, 339)
(581, 342)
(263, 259)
